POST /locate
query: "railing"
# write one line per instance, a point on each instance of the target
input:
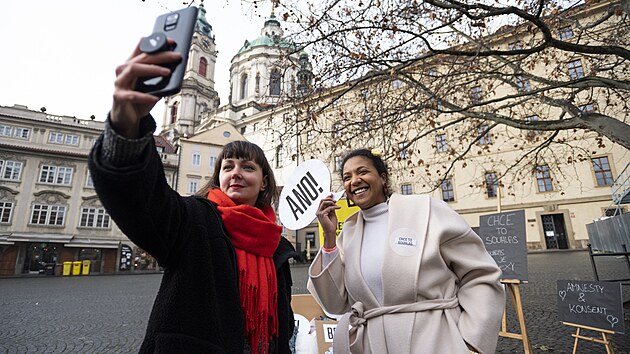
(621, 186)
(609, 238)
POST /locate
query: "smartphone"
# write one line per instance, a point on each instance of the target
(179, 25)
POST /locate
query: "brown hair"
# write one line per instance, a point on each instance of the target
(244, 150)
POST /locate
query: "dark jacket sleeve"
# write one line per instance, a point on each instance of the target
(138, 198)
(285, 282)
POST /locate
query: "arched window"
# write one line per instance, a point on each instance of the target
(203, 66)
(244, 86)
(257, 87)
(274, 83)
(174, 112)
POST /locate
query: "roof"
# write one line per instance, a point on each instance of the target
(219, 135)
(265, 41)
(161, 141)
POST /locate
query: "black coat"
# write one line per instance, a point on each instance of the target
(197, 307)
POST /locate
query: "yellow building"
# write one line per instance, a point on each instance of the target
(437, 125)
(49, 210)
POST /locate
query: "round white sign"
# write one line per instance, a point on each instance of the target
(300, 197)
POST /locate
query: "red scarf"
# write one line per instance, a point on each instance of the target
(255, 235)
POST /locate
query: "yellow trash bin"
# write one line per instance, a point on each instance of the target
(67, 268)
(76, 268)
(86, 267)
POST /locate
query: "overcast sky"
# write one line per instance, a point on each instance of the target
(62, 54)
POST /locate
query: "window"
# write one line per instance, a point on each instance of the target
(55, 138)
(448, 195)
(492, 184)
(72, 139)
(614, 211)
(6, 130)
(338, 163)
(576, 71)
(543, 178)
(213, 161)
(484, 133)
(565, 33)
(56, 175)
(6, 209)
(396, 84)
(403, 153)
(243, 86)
(192, 187)
(257, 84)
(88, 180)
(533, 118)
(310, 137)
(21, 133)
(64, 175)
(432, 72)
(436, 106)
(476, 93)
(61, 138)
(603, 174)
(274, 83)
(337, 130)
(174, 113)
(441, 143)
(405, 189)
(243, 129)
(203, 67)
(10, 170)
(44, 214)
(523, 83)
(587, 108)
(367, 121)
(196, 159)
(14, 132)
(365, 94)
(94, 217)
(515, 45)
(256, 127)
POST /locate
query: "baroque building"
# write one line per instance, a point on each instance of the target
(49, 211)
(561, 192)
(184, 110)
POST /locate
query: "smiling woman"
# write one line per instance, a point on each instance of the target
(227, 283)
(408, 271)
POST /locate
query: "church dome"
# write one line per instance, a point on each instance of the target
(271, 36)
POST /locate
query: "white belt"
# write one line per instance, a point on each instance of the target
(358, 318)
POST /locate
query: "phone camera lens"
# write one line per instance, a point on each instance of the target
(172, 19)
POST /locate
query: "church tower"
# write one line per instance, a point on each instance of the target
(183, 111)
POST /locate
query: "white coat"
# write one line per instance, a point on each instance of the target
(441, 288)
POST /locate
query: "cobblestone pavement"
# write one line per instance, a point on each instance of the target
(108, 314)
(544, 330)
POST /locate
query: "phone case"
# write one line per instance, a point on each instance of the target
(179, 25)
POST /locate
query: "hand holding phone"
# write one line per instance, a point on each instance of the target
(178, 25)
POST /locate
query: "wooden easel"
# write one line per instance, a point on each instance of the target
(515, 294)
(605, 340)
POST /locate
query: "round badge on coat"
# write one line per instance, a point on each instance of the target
(404, 242)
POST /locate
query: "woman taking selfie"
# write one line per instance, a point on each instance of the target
(408, 272)
(226, 287)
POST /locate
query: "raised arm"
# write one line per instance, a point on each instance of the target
(127, 171)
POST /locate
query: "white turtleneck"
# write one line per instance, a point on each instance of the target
(372, 248)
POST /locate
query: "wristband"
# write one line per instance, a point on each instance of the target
(329, 250)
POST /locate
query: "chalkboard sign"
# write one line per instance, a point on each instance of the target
(591, 303)
(125, 258)
(503, 234)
